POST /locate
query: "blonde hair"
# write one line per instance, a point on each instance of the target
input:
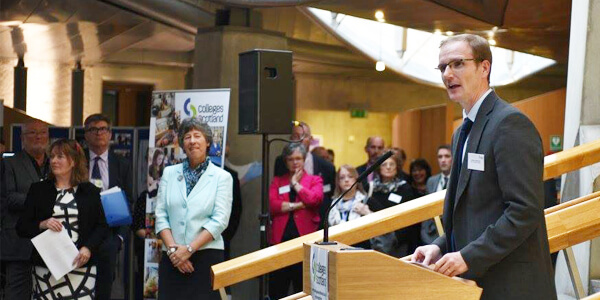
(353, 173)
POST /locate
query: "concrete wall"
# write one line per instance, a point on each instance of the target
(49, 86)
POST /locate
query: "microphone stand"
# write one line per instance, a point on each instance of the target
(362, 176)
(326, 241)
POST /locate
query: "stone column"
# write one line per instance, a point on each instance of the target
(216, 66)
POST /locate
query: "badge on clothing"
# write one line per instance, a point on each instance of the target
(476, 162)
(395, 198)
(97, 183)
(284, 189)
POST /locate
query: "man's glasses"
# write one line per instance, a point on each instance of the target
(98, 130)
(456, 64)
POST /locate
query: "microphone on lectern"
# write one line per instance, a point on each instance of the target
(360, 178)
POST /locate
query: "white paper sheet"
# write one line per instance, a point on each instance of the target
(57, 250)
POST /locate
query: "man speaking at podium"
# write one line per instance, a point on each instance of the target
(493, 211)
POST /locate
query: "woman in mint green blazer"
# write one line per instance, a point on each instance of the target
(193, 208)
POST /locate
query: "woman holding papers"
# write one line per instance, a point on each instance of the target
(193, 208)
(294, 200)
(385, 191)
(66, 201)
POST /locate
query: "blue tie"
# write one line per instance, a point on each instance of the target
(96, 169)
(464, 133)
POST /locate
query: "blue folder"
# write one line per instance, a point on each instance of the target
(116, 208)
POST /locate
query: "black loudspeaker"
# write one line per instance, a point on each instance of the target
(266, 92)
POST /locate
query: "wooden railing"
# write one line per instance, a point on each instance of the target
(279, 256)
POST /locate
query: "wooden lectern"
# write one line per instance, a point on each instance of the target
(368, 274)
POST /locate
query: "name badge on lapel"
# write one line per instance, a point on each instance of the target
(395, 198)
(284, 189)
(97, 183)
(476, 162)
(327, 188)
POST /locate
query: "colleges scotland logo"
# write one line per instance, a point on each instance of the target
(192, 108)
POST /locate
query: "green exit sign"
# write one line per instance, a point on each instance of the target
(358, 113)
(556, 143)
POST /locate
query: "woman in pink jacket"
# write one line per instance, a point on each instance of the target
(294, 205)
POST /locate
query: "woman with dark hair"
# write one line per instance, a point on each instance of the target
(294, 199)
(420, 171)
(155, 171)
(385, 191)
(193, 207)
(66, 201)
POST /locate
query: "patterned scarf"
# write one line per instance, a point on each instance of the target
(344, 207)
(193, 176)
(387, 187)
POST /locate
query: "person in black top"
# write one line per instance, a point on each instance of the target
(18, 173)
(66, 201)
(106, 170)
(385, 191)
(420, 171)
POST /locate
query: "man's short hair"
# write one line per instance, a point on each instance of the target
(444, 146)
(96, 118)
(479, 46)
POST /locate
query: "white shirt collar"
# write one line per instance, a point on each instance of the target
(103, 156)
(473, 113)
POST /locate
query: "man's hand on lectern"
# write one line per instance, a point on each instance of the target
(426, 255)
(452, 264)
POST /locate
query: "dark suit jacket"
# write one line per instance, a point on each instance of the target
(39, 206)
(365, 182)
(428, 229)
(498, 218)
(321, 168)
(18, 173)
(236, 213)
(120, 173)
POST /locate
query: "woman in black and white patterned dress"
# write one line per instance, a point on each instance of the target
(66, 201)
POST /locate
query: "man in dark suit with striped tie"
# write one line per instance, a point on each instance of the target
(437, 183)
(495, 230)
(106, 171)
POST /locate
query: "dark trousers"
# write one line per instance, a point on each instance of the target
(173, 284)
(280, 280)
(106, 261)
(18, 280)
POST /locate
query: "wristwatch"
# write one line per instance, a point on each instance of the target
(189, 249)
(171, 250)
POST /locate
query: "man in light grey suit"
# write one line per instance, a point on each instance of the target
(495, 231)
(18, 173)
(437, 183)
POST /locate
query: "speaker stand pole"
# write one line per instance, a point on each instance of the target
(264, 215)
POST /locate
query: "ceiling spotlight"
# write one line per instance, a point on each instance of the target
(449, 33)
(380, 66)
(379, 15)
(492, 42)
(491, 34)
